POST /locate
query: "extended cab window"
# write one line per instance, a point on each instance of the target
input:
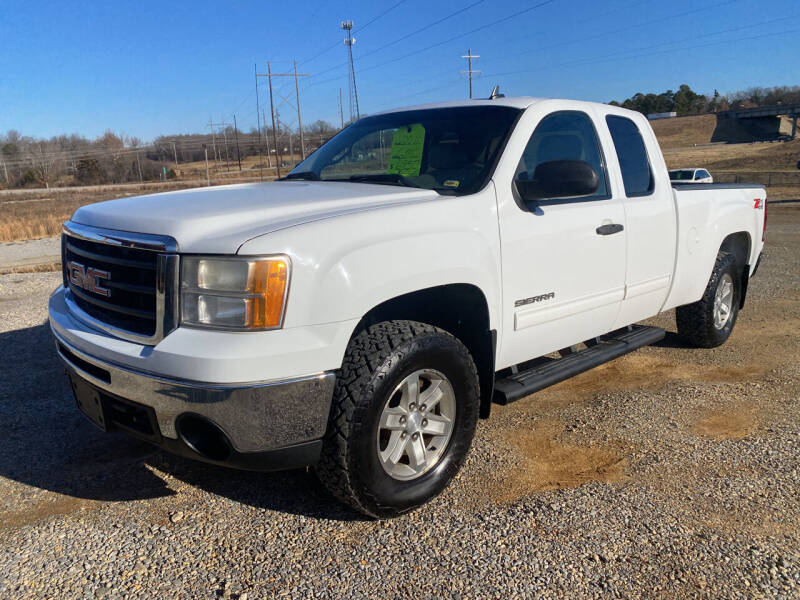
(632, 155)
(565, 135)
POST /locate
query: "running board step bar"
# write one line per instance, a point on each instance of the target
(599, 351)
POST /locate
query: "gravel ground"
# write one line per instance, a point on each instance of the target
(669, 473)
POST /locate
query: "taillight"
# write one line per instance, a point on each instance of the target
(764, 231)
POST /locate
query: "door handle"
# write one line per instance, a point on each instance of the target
(609, 229)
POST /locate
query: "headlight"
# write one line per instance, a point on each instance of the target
(241, 293)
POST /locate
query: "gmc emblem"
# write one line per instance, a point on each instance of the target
(86, 278)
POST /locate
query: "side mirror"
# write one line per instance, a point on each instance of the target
(559, 179)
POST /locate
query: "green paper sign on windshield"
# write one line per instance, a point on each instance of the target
(407, 145)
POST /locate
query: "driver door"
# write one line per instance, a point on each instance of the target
(563, 258)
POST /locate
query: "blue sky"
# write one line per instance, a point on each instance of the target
(145, 68)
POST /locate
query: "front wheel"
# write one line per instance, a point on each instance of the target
(404, 412)
(708, 323)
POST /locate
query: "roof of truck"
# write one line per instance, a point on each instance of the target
(520, 102)
(517, 102)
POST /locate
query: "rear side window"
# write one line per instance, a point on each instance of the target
(632, 155)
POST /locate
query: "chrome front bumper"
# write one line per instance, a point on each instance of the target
(255, 417)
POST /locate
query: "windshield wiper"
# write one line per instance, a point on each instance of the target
(306, 175)
(385, 179)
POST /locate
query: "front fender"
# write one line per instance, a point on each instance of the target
(344, 266)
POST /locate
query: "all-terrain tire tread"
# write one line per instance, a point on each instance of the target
(695, 321)
(367, 353)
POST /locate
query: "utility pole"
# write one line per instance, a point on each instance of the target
(139, 165)
(269, 75)
(227, 156)
(236, 134)
(299, 117)
(341, 109)
(258, 118)
(213, 138)
(349, 40)
(469, 56)
(175, 154)
(266, 140)
(208, 177)
(272, 112)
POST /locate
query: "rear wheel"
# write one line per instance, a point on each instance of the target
(709, 322)
(403, 416)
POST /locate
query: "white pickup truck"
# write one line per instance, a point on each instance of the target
(362, 313)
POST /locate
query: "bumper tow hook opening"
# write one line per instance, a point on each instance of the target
(203, 436)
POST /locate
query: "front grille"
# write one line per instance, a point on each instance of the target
(123, 283)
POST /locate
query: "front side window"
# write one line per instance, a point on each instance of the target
(564, 135)
(632, 155)
(450, 150)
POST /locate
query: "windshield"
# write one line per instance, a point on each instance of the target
(450, 150)
(681, 175)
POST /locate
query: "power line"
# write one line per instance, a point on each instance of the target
(383, 14)
(615, 31)
(408, 35)
(636, 52)
(447, 41)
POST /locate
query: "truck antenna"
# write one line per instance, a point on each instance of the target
(496, 93)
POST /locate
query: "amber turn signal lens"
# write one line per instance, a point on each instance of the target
(270, 279)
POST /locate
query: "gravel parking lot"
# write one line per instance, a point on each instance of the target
(669, 473)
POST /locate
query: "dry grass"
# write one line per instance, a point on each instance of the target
(681, 132)
(40, 214)
(252, 166)
(39, 268)
(767, 156)
(43, 217)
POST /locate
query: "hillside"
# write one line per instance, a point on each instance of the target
(766, 156)
(683, 132)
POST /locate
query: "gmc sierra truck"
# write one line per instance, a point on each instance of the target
(360, 314)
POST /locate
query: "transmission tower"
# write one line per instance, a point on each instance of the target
(349, 40)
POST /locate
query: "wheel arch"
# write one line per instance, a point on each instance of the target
(462, 310)
(738, 244)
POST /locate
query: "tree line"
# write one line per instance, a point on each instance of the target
(65, 160)
(686, 101)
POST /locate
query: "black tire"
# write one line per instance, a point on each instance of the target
(696, 321)
(376, 361)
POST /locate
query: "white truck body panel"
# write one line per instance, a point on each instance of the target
(219, 220)
(354, 246)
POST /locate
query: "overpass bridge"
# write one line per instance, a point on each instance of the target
(790, 110)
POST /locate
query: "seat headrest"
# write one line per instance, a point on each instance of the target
(447, 156)
(562, 146)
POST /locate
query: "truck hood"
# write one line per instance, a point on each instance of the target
(218, 220)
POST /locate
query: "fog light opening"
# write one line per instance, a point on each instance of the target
(203, 436)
